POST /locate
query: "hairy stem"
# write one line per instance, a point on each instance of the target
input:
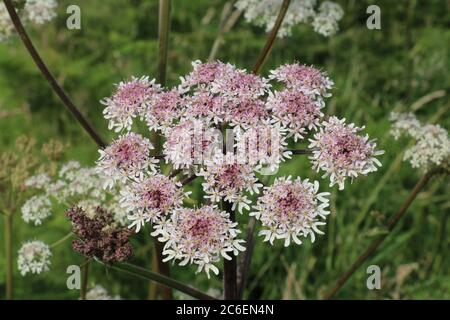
(162, 279)
(230, 266)
(376, 243)
(84, 280)
(245, 261)
(271, 37)
(9, 257)
(49, 76)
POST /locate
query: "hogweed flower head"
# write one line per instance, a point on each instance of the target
(40, 11)
(227, 179)
(199, 236)
(151, 198)
(263, 146)
(129, 100)
(432, 143)
(6, 25)
(127, 157)
(191, 142)
(33, 257)
(264, 13)
(163, 108)
(204, 74)
(296, 111)
(342, 153)
(304, 78)
(404, 123)
(36, 209)
(100, 293)
(326, 21)
(290, 209)
(38, 181)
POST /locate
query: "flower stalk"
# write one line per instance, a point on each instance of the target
(271, 37)
(84, 280)
(49, 76)
(159, 278)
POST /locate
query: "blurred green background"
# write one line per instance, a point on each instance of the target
(375, 71)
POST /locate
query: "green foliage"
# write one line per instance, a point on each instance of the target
(375, 72)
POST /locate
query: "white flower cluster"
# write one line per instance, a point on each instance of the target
(100, 293)
(34, 257)
(432, 143)
(6, 26)
(74, 184)
(34, 11)
(264, 13)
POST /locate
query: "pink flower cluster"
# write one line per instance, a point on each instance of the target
(200, 236)
(226, 126)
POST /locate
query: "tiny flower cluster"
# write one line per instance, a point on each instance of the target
(33, 257)
(290, 209)
(100, 293)
(226, 126)
(342, 153)
(264, 13)
(432, 143)
(34, 11)
(73, 184)
(200, 236)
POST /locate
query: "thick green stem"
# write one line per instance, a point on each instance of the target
(9, 257)
(162, 279)
(59, 91)
(163, 40)
(230, 267)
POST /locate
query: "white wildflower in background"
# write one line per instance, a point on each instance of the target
(100, 293)
(40, 11)
(342, 153)
(34, 257)
(6, 25)
(36, 209)
(38, 181)
(199, 236)
(290, 209)
(404, 123)
(326, 20)
(264, 13)
(432, 143)
(34, 11)
(74, 184)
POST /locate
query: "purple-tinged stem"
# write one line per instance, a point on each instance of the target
(50, 78)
